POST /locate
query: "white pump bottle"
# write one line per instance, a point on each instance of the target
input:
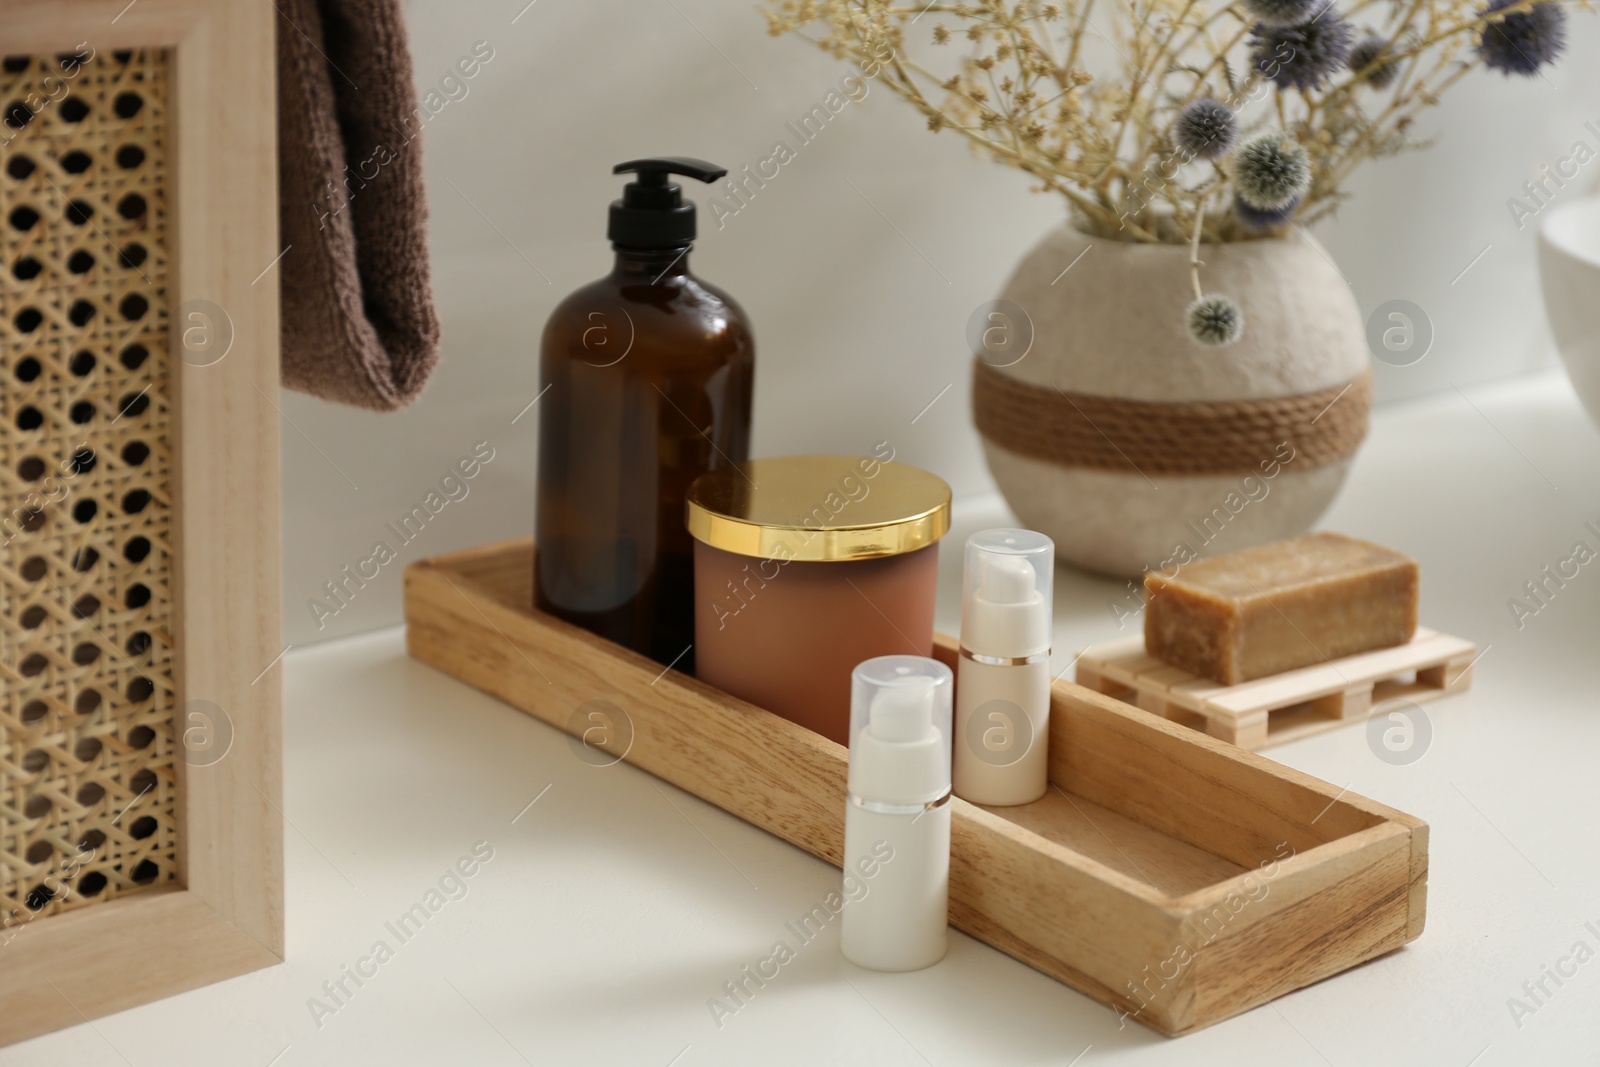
(897, 818)
(1002, 723)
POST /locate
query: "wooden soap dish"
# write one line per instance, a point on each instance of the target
(1283, 707)
(1176, 878)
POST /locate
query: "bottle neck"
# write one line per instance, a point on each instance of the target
(651, 264)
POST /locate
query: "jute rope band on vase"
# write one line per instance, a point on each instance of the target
(1208, 437)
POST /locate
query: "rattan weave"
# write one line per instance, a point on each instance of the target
(87, 781)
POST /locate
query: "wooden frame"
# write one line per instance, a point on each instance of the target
(1154, 836)
(224, 916)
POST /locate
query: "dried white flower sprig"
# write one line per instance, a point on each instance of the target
(1201, 123)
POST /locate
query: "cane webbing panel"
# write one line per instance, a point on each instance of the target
(87, 784)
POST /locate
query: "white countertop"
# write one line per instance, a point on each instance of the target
(614, 906)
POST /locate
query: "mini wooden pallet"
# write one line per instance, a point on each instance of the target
(1283, 707)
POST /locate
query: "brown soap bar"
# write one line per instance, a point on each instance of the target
(1288, 604)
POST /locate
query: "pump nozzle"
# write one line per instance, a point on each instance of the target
(652, 212)
(900, 710)
(1005, 601)
(903, 713)
(1005, 579)
(655, 171)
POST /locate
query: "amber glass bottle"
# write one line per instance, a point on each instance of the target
(649, 372)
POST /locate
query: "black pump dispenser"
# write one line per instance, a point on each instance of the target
(652, 212)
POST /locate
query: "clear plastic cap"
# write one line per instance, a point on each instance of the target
(1005, 597)
(900, 721)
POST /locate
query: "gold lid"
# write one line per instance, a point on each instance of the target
(819, 508)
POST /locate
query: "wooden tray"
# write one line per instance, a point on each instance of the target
(1176, 878)
(1284, 707)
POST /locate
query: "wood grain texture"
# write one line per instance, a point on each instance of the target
(35, 26)
(226, 916)
(94, 961)
(228, 498)
(1123, 844)
(1171, 876)
(1350, 905)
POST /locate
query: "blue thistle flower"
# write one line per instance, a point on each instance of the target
(1270, 172)
(1372, 51)
(1260, 219)
(1304, 56)
(1523, 41)
(1283, 12)
(1206, 129)
(1215, 320)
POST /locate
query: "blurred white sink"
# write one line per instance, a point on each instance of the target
(1569, 271)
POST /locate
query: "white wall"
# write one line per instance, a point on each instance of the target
(860, 317)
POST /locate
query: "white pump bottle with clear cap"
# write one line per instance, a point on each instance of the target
(897, 818)
(1002, 726)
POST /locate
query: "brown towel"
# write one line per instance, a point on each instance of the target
(358, 319)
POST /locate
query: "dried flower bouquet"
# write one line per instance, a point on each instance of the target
(1189, 123)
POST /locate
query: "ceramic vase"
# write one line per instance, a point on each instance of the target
(1134, 446)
